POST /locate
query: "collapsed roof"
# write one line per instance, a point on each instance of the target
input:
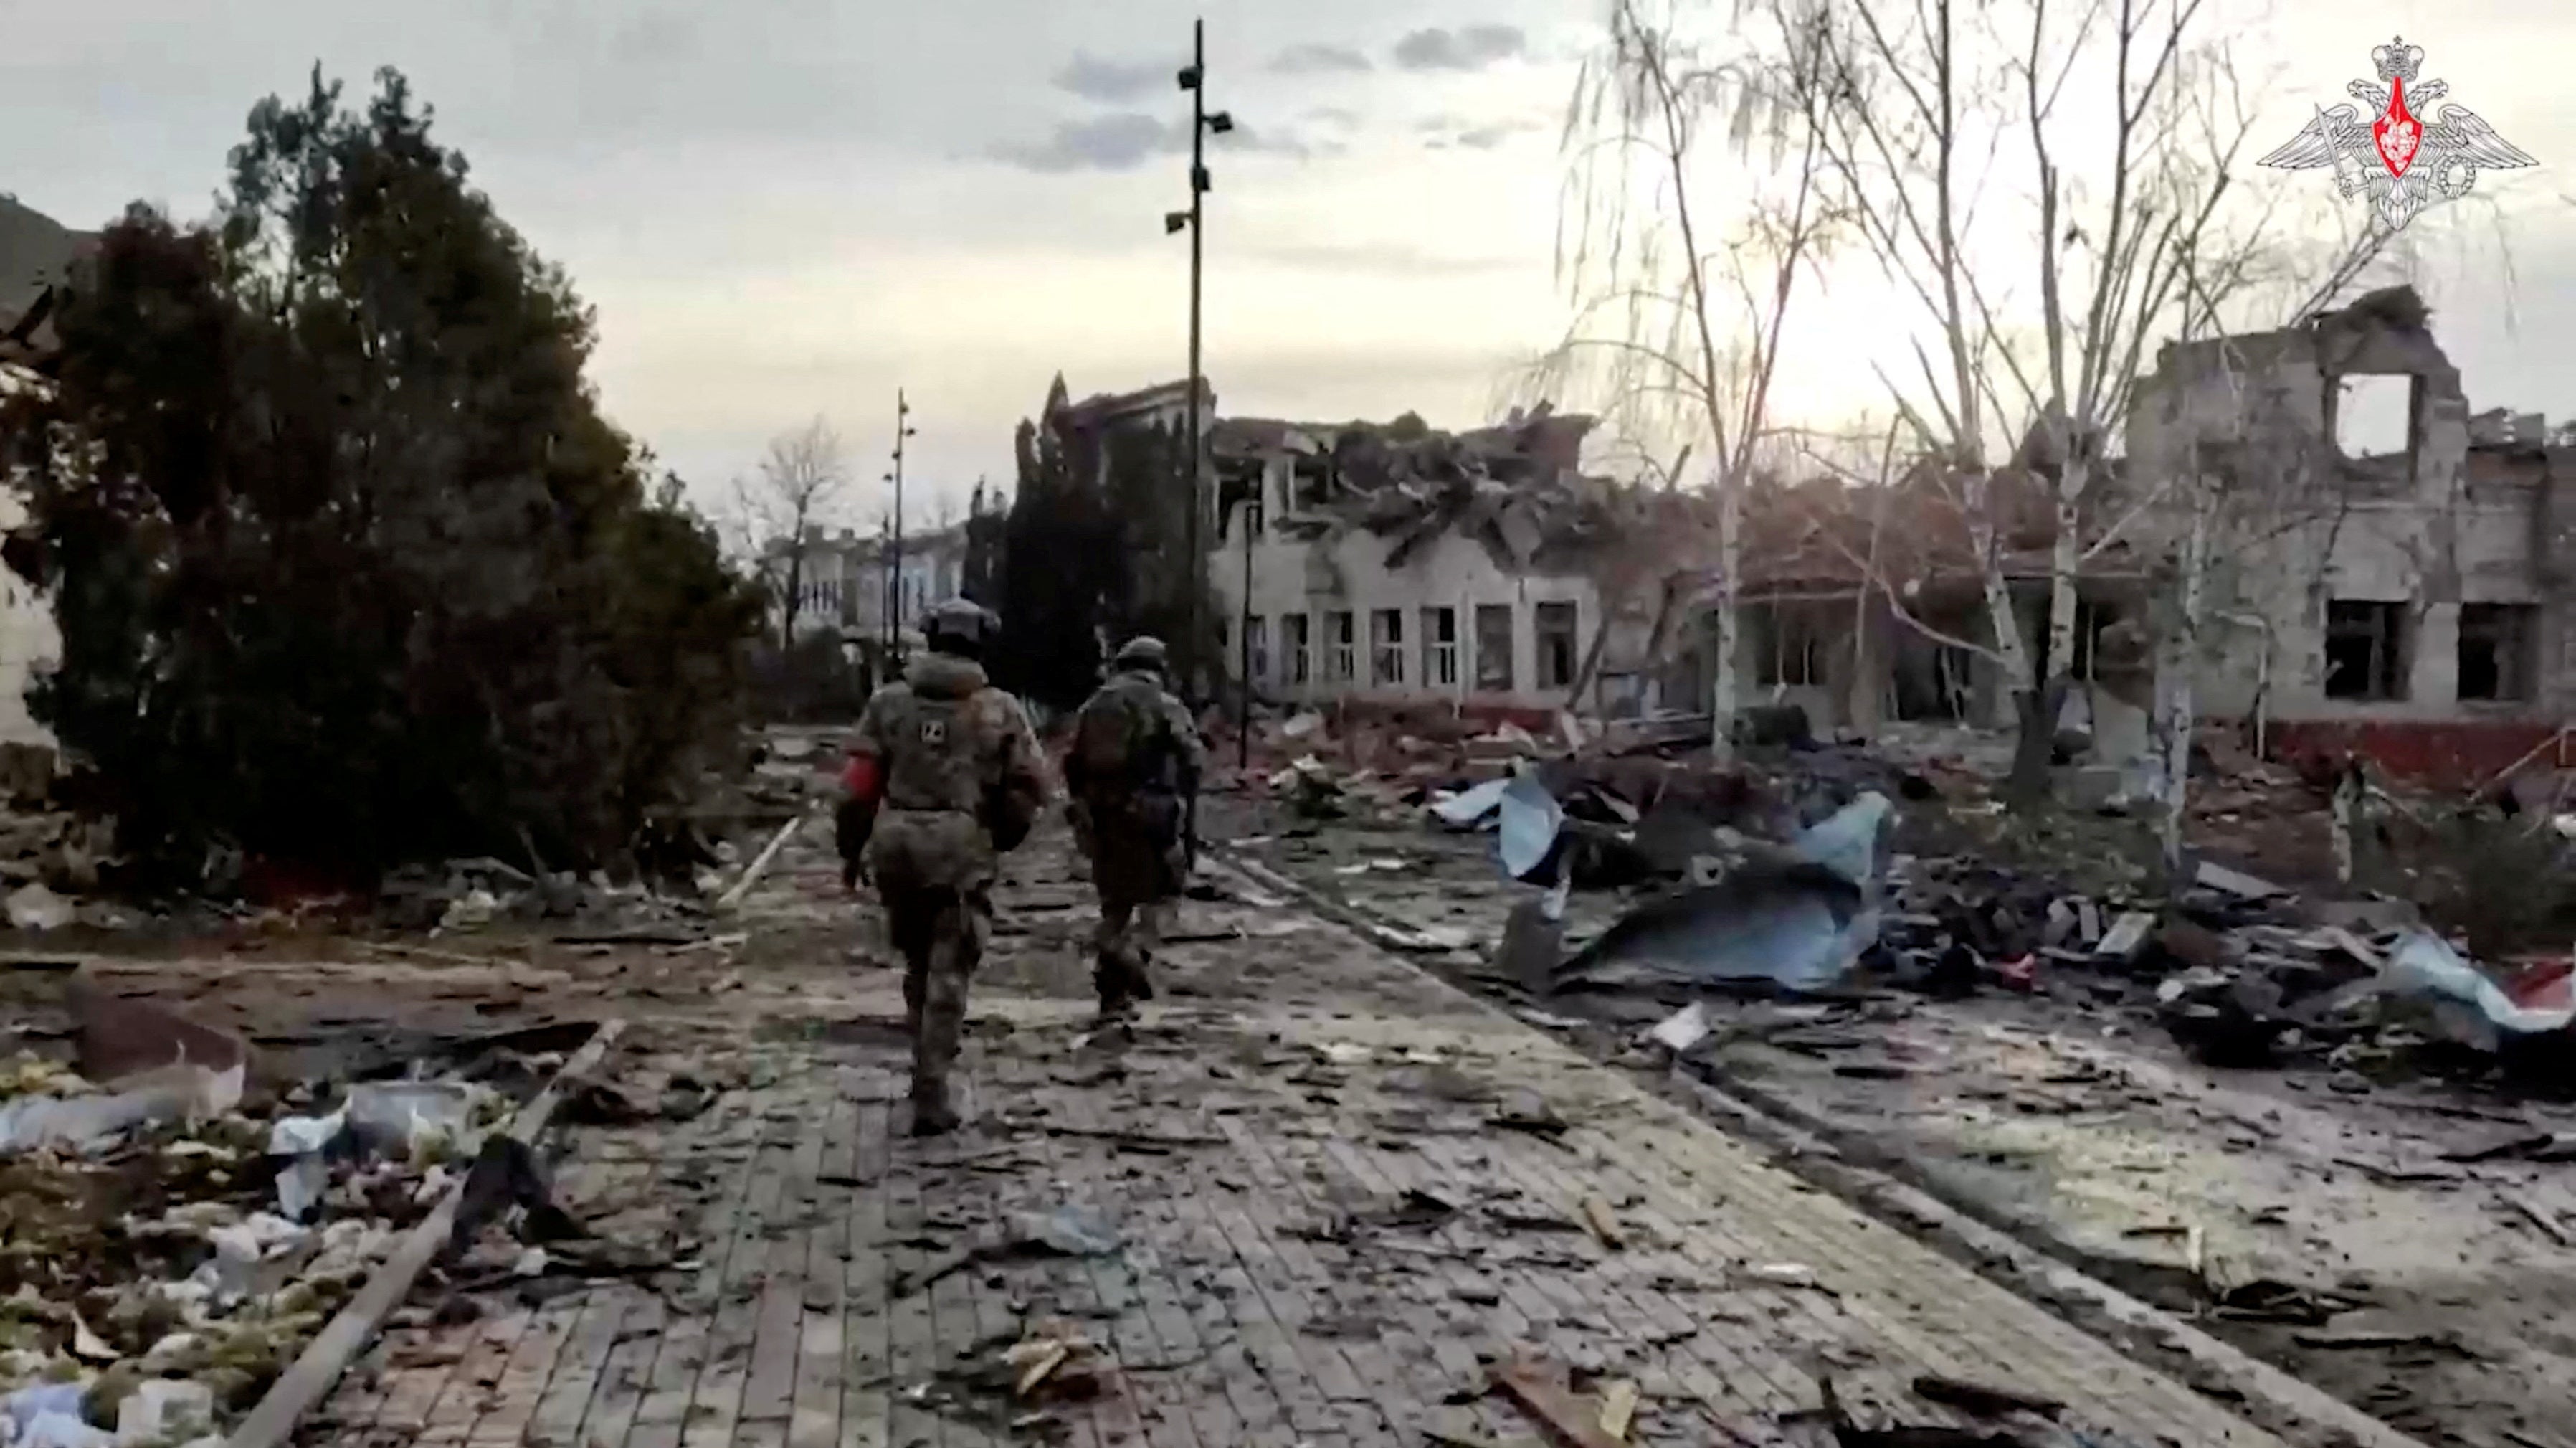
(1516, 487)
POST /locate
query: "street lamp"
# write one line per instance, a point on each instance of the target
(894, 575)
(1193, 78)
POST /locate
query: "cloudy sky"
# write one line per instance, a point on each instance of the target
(789, 207)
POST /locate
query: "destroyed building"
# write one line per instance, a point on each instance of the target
(2396, 574)
(1394, 564)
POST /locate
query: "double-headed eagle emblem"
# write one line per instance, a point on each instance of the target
(2402, 162)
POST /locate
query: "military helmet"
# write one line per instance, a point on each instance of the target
(1144, 651)
(959, 624)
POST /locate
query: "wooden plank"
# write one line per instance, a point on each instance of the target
(272, 1420)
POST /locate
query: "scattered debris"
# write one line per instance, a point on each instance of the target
(1604, 1223)
(1541, 1393)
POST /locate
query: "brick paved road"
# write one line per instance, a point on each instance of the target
(1326, 1232)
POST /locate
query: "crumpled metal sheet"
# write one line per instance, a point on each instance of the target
(1799, 920)
(1532, 819)
(2424, 964)
(1468, 807)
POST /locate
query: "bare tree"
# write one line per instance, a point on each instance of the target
(802, 485)
(1682, 305)
(1936, 103)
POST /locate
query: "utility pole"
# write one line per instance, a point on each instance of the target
(1254, 509)
(894, 573)
(1203, 122)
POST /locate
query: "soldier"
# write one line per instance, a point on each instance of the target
(945, 776)
(1132, 780)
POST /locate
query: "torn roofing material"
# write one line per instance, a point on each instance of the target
(1515, 487)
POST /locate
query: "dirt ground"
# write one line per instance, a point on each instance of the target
(2434, 1294)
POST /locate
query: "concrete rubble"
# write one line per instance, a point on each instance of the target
(1682, 909)
(183, 1217)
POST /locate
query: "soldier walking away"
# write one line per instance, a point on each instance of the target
(945, 776)
(1132, 780)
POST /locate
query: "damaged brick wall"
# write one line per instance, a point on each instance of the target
(2390, 579)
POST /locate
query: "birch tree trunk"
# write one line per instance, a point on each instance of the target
(2065, 560)
(2174, 681)
(1724, 687)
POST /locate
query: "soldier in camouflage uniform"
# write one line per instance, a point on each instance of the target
(945, 776)
(1130, 778)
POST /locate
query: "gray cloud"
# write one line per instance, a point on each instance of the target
(1118, 142)
(1125, 140)
(1095, 79)
(1472, 47)
(1318, 59)
(1439, 133)
(1345, 119)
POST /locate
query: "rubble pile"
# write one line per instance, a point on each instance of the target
(1785, 874)
(1514, 488)
(170, 1240)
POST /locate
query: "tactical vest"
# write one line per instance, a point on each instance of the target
(931, 753)
(1124, 742)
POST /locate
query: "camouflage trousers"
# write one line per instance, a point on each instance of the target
(1134, 874)
(940, 932)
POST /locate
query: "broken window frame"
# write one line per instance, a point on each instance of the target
(2380, 630)
(1493, 655)
(1439, 646)
(1386, 647)
(2412, 450)
(1297, 647)
(1779, 637)
(1557, 625)
(1341, 634)
(2509, 636)
(1256, 637)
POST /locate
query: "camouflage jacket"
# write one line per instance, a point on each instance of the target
(1132, 737)
(946, 740)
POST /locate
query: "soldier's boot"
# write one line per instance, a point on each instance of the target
(1109, 976)
(932, 1112)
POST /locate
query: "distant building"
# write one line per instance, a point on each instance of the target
(36, 253)
(848, 583)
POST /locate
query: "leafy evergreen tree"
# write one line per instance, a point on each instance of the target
(349, 566)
